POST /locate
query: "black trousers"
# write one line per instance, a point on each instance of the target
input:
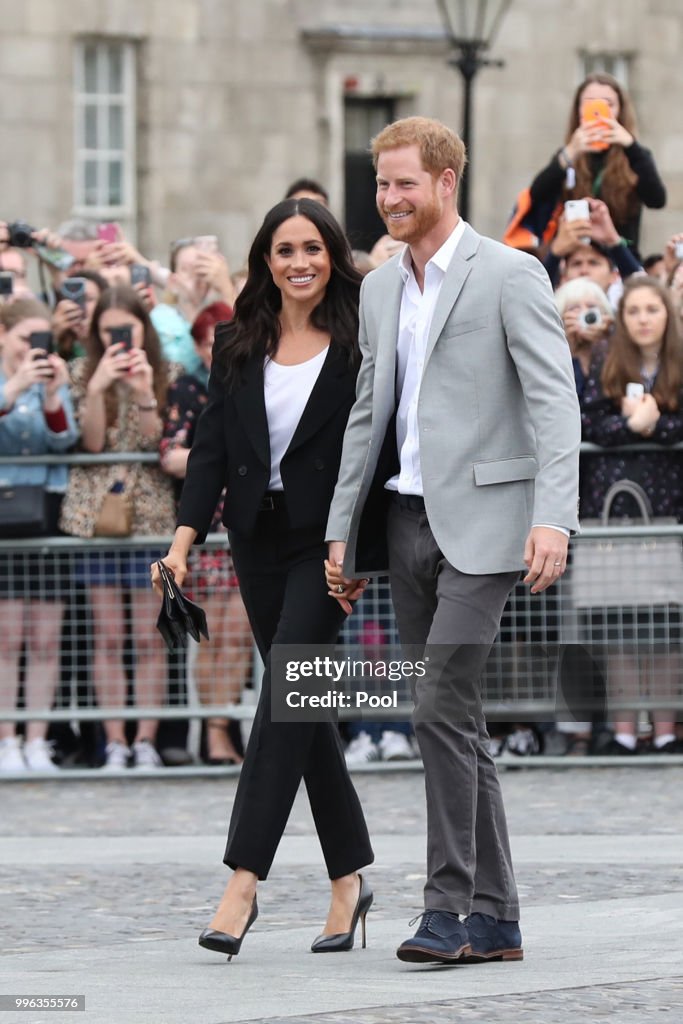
(283, 586)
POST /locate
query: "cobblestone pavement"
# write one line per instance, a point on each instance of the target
(122, 902)
(627, 1004)
(600, 802)
(75, 906)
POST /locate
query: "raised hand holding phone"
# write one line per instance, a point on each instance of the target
(113, 366)
(33, 369)
(140, 379)
(59, 376)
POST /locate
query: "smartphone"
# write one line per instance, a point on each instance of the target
(108, 232)
(207, 243)
(73, 288)
(122, 336)
(60, 259)
(42, 340)
(6, 282)
(577, 209)
(139, 274)
(596, 112)
(635, 390)
(678, 250)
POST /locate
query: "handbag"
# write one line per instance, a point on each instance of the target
(23, 510)
(115, 518)
(178, 617)
(620, 572)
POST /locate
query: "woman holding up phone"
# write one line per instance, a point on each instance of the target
(635, 395)
(601, 157)
(119, 390)
(36, 418)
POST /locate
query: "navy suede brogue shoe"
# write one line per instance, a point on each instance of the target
(441, 939)
(491, 939)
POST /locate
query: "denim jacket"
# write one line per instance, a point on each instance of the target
(24, 431)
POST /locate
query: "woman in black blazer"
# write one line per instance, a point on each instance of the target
(281, 388)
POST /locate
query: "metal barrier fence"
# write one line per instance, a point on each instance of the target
(78, 638)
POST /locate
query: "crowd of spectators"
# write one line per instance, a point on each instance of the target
(104, 350)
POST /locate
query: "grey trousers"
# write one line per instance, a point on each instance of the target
(453, 618)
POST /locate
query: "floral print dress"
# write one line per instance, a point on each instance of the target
(659, 473)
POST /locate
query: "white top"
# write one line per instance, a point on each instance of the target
(287, 390)
(417, 310)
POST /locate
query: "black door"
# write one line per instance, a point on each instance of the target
(363, 119)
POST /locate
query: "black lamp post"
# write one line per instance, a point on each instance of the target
(471, 26)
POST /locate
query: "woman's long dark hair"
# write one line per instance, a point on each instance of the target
(623, 361)
(255, 328)
(618, 181)
(126, 298)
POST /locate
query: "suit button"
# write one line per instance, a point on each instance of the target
(319, 463)
(242, 470)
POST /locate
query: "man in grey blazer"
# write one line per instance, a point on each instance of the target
(462, 451)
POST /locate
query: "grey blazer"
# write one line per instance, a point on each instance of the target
(498, 417)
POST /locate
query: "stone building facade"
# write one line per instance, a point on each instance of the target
(178, 117)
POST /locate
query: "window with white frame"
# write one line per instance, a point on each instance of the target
(105, 128)
(616, 64)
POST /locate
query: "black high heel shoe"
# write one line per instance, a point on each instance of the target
(220, 942)
(344, 940)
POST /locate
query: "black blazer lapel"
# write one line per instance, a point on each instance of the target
(335, 385)
(250, 406)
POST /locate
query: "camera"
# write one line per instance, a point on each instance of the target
(591, 317)
(20, 234)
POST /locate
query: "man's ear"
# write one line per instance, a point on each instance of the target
(448, 182)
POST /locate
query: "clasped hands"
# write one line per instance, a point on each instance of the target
(341, 588)
(545, 555)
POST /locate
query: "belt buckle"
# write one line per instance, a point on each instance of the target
(268, 504)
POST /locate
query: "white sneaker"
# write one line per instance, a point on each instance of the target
(495, 745)
(117, 756)
(361, 750)
(11, 758)
(38, 756)
(522, 742)
(145, 755)
(395, 746)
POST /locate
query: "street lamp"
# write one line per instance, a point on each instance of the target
(471, 26)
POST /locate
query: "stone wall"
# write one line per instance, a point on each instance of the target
(235, 98)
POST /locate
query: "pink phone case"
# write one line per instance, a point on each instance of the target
(107, 232)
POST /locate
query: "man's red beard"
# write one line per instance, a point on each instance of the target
(414, 227)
